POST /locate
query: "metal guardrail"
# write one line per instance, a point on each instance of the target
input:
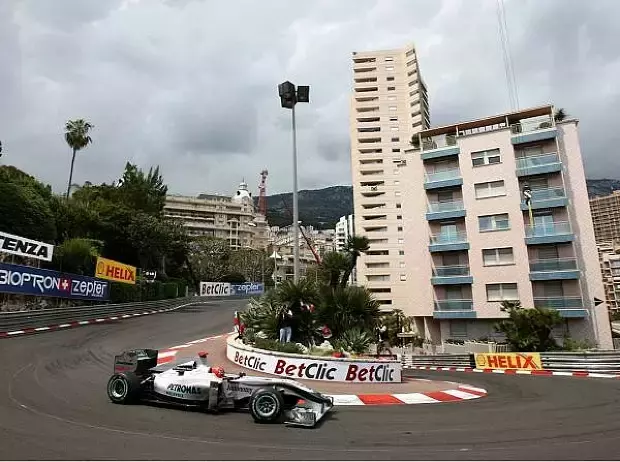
(591, 361)
(18, 320)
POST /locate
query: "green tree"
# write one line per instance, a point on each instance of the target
(529, 329)
(77, 137)
(25, 213)
(333, 266)
(355, 246)
(209, 258)
(560, 114)
(143, 191)
(77, 255)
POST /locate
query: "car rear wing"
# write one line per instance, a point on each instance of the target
(136, 361)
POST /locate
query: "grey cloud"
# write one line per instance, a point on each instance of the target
(192, 85)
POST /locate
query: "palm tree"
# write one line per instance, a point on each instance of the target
(560, 115)
(76, 136)
(356, 245)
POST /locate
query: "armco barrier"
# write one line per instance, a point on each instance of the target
(18, 320)
(596, 361)
(305, 367)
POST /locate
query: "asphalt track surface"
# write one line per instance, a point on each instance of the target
(53, 405)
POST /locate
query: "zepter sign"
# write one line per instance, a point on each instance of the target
(215, 289)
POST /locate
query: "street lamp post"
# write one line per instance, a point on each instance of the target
(289, 97)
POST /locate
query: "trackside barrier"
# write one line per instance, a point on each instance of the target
(595, 361)
(17, 320)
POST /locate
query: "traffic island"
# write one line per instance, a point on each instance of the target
(223, 349)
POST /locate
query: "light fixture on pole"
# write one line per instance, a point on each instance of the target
(289, 97)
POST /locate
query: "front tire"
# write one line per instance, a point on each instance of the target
(266, 405)
(124, 388)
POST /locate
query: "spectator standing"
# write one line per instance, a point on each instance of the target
(286, 325)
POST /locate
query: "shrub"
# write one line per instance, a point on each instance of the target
(274, 345)
(355, 340)
(345, 308)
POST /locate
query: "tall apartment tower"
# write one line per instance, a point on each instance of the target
(473, 240)
(388, 105)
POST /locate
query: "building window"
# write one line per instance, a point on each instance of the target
(395, 139)
(378, 277)
(392, 108)
(400, 228)
(398, 206)
(403, 277)
(389, 59)
(396, 182)
(390, 79)
(395, 149)
(410, 63)
(458, 329)
(399, 217)
(394, 129)
(501, 292)
(397, 193)
(391, 98)
(499, 256)
(485, 157)
(409, 53)
(389, 68)
(401, 252)
(393, 119)
(494, 222)
(401, 240)
(490, 189)
(402, 264)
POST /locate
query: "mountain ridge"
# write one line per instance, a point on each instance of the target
(322, 208)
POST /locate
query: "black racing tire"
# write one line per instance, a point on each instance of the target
(266, 405)
(124, 388)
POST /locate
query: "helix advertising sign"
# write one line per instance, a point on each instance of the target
(523, 361)
(226, 289)
(22, 247)
(115, 271)
(26, 280)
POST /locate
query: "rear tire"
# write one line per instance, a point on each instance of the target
(124, 388)
(266, 405)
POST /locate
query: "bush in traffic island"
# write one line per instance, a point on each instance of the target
(327, 321)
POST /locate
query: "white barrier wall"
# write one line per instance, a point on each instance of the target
(313, 368)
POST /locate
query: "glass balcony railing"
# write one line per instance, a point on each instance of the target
(530, 162)
(548, 194)
(436, 207)
(531, 125)
(443, 176)
(451, 271)
(449, 238)
(454, 305)
(438, 142)
(548, 229)
(553, 264)
(559, 303)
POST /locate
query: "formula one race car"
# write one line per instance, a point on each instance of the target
(195, 384)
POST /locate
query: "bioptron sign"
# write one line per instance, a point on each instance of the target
(28, 248)
(226, 289)
(314, 369)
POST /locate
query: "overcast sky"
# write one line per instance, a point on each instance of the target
(191, 85)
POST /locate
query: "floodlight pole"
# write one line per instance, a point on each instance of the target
(289, 97)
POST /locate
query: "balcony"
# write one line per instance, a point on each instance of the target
(539, 164)
(548, 233)
(438, 146)
(568, 307)
(448, 242)
(454, 309)
(533, 130)
(443, 275)
(443, 179)
(547, 198)
(554, 269)
(445, 210)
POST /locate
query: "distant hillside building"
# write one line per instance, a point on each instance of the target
(606, 217)
(231, 218)
(344, 229)
(609, 258)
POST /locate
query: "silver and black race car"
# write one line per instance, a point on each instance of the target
(137, 378)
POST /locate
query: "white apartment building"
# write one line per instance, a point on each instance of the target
(389, 104)
(281, 242)
(344, 229)
(471, 240)
(232, 218)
